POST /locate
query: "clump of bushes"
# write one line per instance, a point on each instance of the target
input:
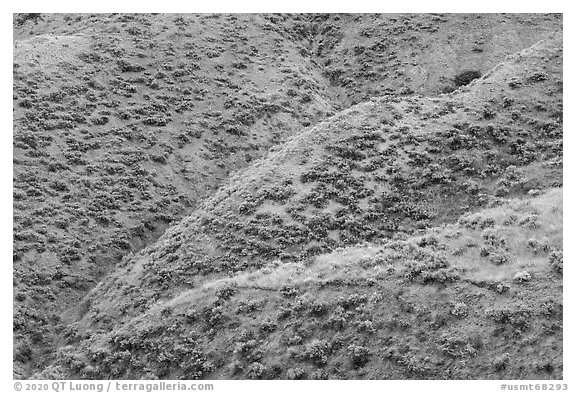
(126, 66)
(499, 257)
(296, 373)
(459, 310)
(23, 18)
(522, 276)
(456, 347)
(317, 352)
(256, 370)
(518, 318)
(501, 362)
(359, 355)
(556, 260)
(466, 77)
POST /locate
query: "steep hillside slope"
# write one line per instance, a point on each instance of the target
(124, 122)
(380, 170)
(367, 55)
(478, 299)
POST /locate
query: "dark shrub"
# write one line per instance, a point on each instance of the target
(556, 260)
(466, 77)
(359, 355)
(23, 18)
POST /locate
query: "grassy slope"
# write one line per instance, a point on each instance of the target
(428, 306)
(372, 55)
(389, 167)
(122, 122)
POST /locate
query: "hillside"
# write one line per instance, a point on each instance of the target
(126, 124)
(477, 299)
(368, 55)
(121, 124)
(380, 172)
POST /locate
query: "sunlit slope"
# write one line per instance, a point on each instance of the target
(479, 299)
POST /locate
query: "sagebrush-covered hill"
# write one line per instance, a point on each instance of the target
(481, 298)
(125, 124)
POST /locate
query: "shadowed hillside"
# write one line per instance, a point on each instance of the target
(124, 124)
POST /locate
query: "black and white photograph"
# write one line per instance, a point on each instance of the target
(286, 196)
